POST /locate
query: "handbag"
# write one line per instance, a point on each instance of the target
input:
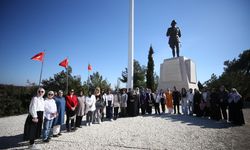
(99, 104)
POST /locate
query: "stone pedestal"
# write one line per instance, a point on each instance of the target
(179, 72)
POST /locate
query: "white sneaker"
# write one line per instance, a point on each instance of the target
(34, 147)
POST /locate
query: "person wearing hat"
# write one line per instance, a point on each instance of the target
(174, 34)
(71, 104)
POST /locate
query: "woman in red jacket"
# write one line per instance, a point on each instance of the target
(71, 104)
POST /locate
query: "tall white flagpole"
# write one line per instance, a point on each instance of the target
(67, 80)
(40, 78)
(131, 47)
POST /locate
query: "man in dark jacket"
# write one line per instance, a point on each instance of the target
(223, 96)
(176, 98)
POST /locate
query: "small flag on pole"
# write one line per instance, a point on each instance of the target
(64, 63)
(38, 57)
(89, 67)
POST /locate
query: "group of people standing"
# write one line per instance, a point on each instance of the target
(214, 104)
(219, 104)
(46, 116)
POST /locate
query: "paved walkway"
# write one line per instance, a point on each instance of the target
(142, 132)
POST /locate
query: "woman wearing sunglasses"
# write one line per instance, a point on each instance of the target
(50, 112)
(34, 121)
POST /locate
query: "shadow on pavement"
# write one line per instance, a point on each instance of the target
(193, 121)
(12, 141)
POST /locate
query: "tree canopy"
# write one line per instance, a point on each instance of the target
(16, 99)
(150, 81)
(96, 80)
(139, 75)
(236, 74)
(59, 81)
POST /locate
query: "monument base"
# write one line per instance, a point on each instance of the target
(179, 72)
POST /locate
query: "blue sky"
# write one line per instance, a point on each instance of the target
(96, 32)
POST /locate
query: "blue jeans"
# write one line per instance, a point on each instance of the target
(47, 124)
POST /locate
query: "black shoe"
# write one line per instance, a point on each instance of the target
(59, 134)
(55, 135)
(80, 127)
(46, 141)
(68, 130)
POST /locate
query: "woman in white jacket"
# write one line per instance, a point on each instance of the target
(90, 107)
(34, 121)
(50, 112)
(190, 99)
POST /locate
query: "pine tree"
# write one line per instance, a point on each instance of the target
(150, 83)
(139, 75)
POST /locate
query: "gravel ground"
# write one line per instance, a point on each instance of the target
(142, 132)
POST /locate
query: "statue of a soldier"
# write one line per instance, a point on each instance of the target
(174, 34)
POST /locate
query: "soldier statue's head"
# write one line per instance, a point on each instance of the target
(173, 23)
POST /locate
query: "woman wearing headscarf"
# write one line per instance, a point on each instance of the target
(59, 120)
(215, 108)
(50, 112)
(235, 108)
(197, 102)
(80, 110)
(34, 121)
(132, 104)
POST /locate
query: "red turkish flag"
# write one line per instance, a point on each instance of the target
(64, 63)
(38, 57)
(89, 67)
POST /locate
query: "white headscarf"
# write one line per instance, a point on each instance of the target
(234, 96)
(40, 89)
